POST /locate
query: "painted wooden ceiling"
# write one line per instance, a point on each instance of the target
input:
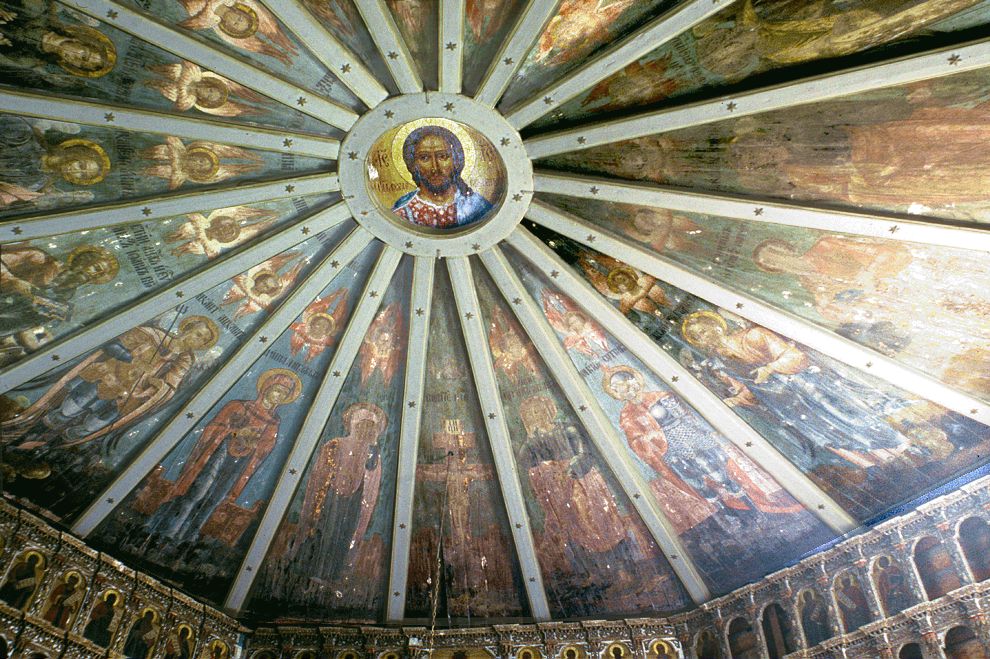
(747, 313)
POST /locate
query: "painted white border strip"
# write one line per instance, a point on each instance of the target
(451, 46)
(599, 428)
(312, 429)
(927, 230)
(381, 24)
(141, 210)
(338, 59)
(651, 36)
(185, 127)
(685, 385)
(420, 308)
(195, 50)
(761, 313)
(159, 301)
(934, 64)
(513, 53)
(186, 418)
(469, 313)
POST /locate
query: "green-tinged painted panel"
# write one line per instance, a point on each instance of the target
(419, 25)
(487, 25)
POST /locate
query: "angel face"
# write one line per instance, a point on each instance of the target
(383, 342)
(199, 165)
(625, 386)
(74, 52)
(319, 327)
(623, 282)
(79, 165)
(576, 322)
(704, 332)
(237, 21)
(195, 336)
(266, 284)
(223, 229)
(210, 93)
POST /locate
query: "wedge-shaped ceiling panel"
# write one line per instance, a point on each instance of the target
(418, 23)
(924, 305)
(487, 26)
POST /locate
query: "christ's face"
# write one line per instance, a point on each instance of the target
(434, 160)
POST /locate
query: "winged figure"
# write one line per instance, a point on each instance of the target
(221, 230)
(262, 285)
(244, 24)
(578, 26)
(188, 86)
(381, 349)
(617, 281)
(319, 327)
(580, 332)
(509, 350)
(199, 162)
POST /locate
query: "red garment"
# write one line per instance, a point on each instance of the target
(426, 214)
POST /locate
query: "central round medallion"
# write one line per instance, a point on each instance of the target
(435, 174)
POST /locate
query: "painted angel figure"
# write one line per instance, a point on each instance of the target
(617, 281)
(222, 229)
(188, 86)
(381, 349)
(199, 162)
(262, 285)
(244, 24)
(319, 327)
(580, 332)
(509, 351)
(578, 25)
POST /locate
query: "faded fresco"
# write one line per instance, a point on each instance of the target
(331, 553)
(436, 173)
(53, 286)
(579, 30)
(46, 46)
(247, 29)
(869, 445)
(419, 25)
(596, 555)
(706, 487)
(756, 36)
(915, 149)
(48, 165)
(927, 306)
(69, 432)
(488, 24)
(457, 491)
(193, 516)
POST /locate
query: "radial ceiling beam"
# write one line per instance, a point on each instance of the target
(185, 127)
(451, 46)
(195, 50)
(514, 50)
(154, 208)
(593, 418)
(420, 307)
(785, 323)
(651, 36)
(683, 383)
(934, 64)
(251, 349)
(927, 231)
(337, 57)
(381, 24)
(160, 301)
(469, 312)
(314, 424)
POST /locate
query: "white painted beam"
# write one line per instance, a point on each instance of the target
(381, 24)
(451, 46)
(927, 231)
(252, 348)
(182, 126)
(142, 210)
(600, 430)
(683, 383)
(158, 302)
(475, 336)
(198, 51)
(902, 71)
(313, 426)
(337, 57)
(780, 321)
(651, 36)
(420, 307)
(515, 49)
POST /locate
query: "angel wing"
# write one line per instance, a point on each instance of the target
(269, 27)
(554, 306)
(202, 14)
(232, 108)
(253, 221)
(273, 264)
(169, 158)
(193, 232)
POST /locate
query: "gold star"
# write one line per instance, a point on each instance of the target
(334, 264)
(146, 211)
(739, 305)
(373, 294)
(451, 45)
(305, 231)
(409, 244)
(954, 59)
(352, 155)
(389, 114)
(731, 106)
(293, 472)
(112, 14)
(17, 231)
(894, 229)
(290, 188)
(301, 101)
(180, 294)
(469, 315)
(287, 142)
(582, 140)
(517, 197)
(420, 312)
(517, 300)
(393, 55)
(547, 100)
(189, 415)
(505, 141)
(345, 68)
(554, 274)
(590, 238)
(411, 404)
(109, 116)
(675, 378)
(491, 415)
(336, 374)
(757, 211)
(508, 61)
(449, 107)
(263, 339)
(594, 189)
(476, 247)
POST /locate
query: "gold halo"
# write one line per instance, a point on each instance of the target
(154, 613)
(104, 253)
(214, 330)
(331, 319)
(214, 163)
(95, 148)
(87, 34)
(251, 31)
(107, 593)
(621, 270)
(697, 316)
(41, 557)
(664, 645)
(265, 377)
(467, 144)
(214, 81)
(609, 372)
